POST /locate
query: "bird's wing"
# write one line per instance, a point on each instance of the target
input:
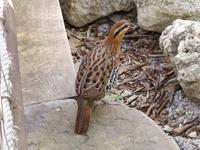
(94, 73)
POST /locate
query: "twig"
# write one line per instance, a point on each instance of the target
(162, 106)
(157, 73)
(158, 56)
(136, 36)
(150, 109)
(139, 89)
(89, 31)
(190, 130)
(143, 106)
(80, 37)
(150, 77)
(180, 130)
(126, 80)
(132, 68)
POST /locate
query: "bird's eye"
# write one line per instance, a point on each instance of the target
(126, 26)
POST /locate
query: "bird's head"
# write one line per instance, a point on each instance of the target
(114, 39)
(119, 29)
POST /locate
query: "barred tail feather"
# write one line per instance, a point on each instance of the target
(83, 119)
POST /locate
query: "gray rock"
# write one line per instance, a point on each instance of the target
(155, 15)
(193, 134)
(181, 41)
(184, 108)
(117, 16)
(81, 12)
(188, 144)
(112, 127)
(103, 28)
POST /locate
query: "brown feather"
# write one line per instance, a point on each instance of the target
(94, 73)
(83, 118)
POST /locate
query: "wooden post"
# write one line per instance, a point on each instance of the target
(14, 94)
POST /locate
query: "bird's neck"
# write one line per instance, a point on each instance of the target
(113, 45)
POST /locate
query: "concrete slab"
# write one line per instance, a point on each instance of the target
(113, 127)
(46, 64)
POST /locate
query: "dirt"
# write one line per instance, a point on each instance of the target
(146, 78)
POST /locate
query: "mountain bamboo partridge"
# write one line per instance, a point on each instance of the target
(96, 71)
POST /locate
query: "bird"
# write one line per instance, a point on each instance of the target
(96, 71)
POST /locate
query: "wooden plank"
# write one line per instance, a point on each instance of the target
(46, 64)
(14, 77)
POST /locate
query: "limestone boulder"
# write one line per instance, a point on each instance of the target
(81, 12)
(181, 41)
(155, 15)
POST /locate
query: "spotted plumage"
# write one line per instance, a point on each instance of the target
(113, 78)
(96, 74)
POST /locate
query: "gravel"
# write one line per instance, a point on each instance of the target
(183, 110)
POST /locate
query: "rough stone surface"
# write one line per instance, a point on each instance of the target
(113, 127)
(188, 144)
(81, 12)
(155, 15)
(181, 111)
(181, 41)
(46, 64)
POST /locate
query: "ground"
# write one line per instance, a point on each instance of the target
(147, 78)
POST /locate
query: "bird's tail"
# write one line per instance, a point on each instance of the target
(83, 118)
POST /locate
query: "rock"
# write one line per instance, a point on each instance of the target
(167, 128)
(112, 127)
(99, 34)
(81, 12)
(155, 15)
(188, 144)
(103, 28)
(131, 99)
(126, 93)
(117, 16)
(181, 41)
(193, 134)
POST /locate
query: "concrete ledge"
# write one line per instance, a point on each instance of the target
(113, 127)
(45, 58)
